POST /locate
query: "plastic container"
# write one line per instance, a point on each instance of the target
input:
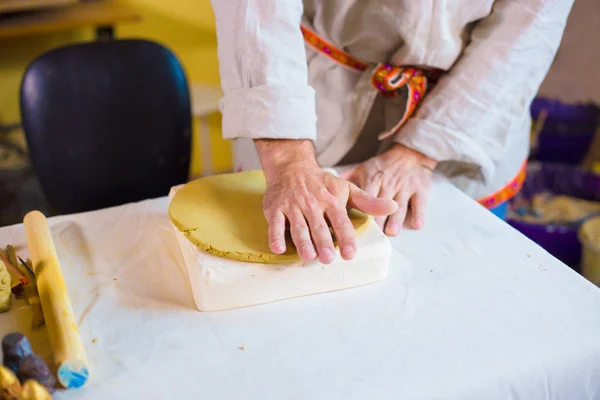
(559, 240)
(589, 235)
(567, 148)
(561, 114)
(568, 130)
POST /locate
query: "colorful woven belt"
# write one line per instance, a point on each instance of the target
(507, 192)
(388, 79)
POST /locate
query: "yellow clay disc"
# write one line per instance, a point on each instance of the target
(222, 215)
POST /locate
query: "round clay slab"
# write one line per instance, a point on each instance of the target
(222, 215)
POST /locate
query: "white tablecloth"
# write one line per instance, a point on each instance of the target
(471, 310)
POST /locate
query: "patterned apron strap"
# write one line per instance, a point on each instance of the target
(322, 46)
(507, 192)
(388, 79)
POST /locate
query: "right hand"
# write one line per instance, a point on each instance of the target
(301, 193)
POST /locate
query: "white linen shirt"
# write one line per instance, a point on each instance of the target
(475, 122)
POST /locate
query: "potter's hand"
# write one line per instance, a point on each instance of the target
(401, 174)
(299, 191)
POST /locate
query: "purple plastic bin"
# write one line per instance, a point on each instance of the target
(568, 130)
(568, 148)
(559, 112)
(560, 241)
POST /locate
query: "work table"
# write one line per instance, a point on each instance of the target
(471, 309)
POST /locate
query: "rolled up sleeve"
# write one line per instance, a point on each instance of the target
(468, 116)
(264, 76)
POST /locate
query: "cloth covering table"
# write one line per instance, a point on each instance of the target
(471, 309)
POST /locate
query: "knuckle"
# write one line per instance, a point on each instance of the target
(404, 189)
(320, 228)
(313, 211)
(298, 227)
(338, 217)
(268, 213)
(311, 202)
(402, 207)
(340, 223)
(301, 197)
(335, 187)
(331, 201)
(266, 202)
(388, 178)
(375, 178)
(272, 206)
(305, 247)
(273, 218)
(325, 191)
(275, 237)
(396, 216)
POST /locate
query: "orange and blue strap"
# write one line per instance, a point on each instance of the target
(507, 192)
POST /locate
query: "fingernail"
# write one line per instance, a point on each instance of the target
(308, 252)
(278, 246)
(392, 228)
(417, 223)
(348, 251)
(328, 255)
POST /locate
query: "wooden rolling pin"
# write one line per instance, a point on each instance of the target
(69, 354)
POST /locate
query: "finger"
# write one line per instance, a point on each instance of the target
(344, 231)
(321, 236)
(372, 187)
(301, 236)
(369, 204)
(384, 193)
(395, 221)
(417, 205)
(277, 232)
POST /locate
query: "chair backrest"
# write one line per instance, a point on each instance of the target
(106, 123)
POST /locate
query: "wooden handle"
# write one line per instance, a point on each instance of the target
(69, 354)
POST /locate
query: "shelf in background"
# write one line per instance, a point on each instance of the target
(95, 14)
(26, 5)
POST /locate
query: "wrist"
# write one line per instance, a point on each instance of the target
(399, 150)
(279, 155)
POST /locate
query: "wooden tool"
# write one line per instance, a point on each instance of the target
(69, 354)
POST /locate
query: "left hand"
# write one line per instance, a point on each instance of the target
(401, 174)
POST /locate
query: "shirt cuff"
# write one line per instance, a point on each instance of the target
(270, 112)
(443, 144)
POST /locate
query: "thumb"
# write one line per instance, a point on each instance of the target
(362, 201)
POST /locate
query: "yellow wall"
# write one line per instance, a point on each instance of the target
(187, 27)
